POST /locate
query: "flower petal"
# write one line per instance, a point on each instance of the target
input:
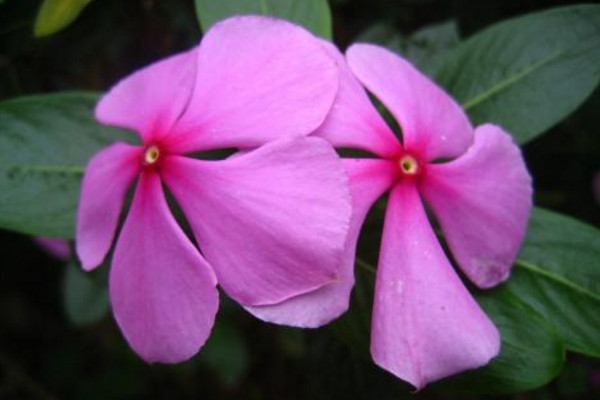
(162, 292)
(271, 222)
(369, 179)
(151, 99)
(353, 121)
(432, 123)
(426, 325)
(258, 79)
(107, 178)
(482, 201)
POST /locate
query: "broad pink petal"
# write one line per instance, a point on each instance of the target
(107, 178)
(432, 123)
(369, 179)
(271, 222)
(163, 293)
(353, 121)
(258, 79)
(482, 201)
(151, 99)
(426, 325)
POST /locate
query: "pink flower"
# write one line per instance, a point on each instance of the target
(425, 324)
(271, 222)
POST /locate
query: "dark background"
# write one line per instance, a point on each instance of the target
(43, 356)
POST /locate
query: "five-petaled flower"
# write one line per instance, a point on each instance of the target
(425, 324)
(271, 223)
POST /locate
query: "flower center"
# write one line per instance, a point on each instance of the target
(152, 155)
(408, 165)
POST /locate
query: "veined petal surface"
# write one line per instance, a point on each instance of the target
(369, 179)
(271, 222)
(107, 177)
(433, 124)
(482, 201)
(258, 79)
(163, 293)
(426, 325)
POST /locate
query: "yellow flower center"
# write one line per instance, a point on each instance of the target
(152, 154)
(408, 165)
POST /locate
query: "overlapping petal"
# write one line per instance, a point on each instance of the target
(163, 294)
(353, 121)
(258, 79)
(271, 222)
(150, 100)
(369, 179)
(432, 123)
(426, 325)
(107, 178)
(482, 201)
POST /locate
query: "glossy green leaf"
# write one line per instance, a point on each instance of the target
(85, 296)
(55, 15)
(528, 73)
(531, 353)
(314, 15)
(558, 274)
(45, 143)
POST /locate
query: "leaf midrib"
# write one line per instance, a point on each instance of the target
(556, 278)
(510, 81)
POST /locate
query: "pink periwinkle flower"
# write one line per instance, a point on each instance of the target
(270, 222)
(425, 324)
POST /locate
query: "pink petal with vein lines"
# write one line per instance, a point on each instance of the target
(426, 325)
(162, 292)
(259, 79)
(271, 222)
(353, 121)
(482, 201)
(150, 100)
(432, 123)
(369, 179)
(107, 177)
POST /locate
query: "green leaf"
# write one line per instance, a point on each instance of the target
(528, 73)
(55, 15)
(45, 143)
(429, 45)
(314, 15)
(531, 352)
(385, 35)
(558, 274)
(425, 47)
(85, 298)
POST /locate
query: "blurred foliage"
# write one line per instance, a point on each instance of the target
(55, 15)
(43, 355)
(313, 15)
